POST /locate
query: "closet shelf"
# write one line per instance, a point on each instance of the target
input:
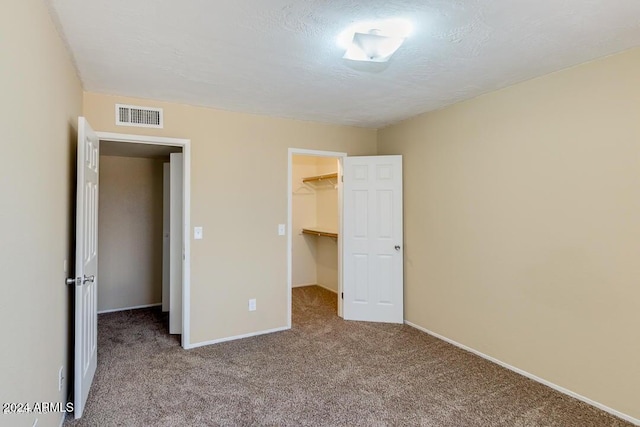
(331, 177)
(318, 232)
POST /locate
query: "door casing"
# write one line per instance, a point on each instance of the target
(185, 144)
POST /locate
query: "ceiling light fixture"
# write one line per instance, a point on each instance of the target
(374, 41)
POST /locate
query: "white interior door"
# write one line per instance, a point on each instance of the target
(166, 215)
(373, 240)
(176, 243)
(86, 279)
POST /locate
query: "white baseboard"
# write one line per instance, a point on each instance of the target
(327, 288)
(237, 337)
(302, 285)
(556, 387)
(113, 310)
(315, 284)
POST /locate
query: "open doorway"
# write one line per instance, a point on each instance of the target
(369, 238)
(163, 166)
(136, 196)
(315, 202)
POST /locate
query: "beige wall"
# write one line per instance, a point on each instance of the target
(327, 218)
(130, 232)
(327, 263)
(239, 195)
(40, 102)
(303, 209)
(522, 226)
(327, 195)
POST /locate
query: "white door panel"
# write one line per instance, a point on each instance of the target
(175, 243)
(86, 283)
(166, 204)
(372, 233)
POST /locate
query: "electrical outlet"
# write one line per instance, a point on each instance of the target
(60, 378)
(252, 304)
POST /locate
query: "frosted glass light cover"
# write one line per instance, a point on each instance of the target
(372, 47)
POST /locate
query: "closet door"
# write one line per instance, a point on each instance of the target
(373, 239)
(176, 243)
(166, 216)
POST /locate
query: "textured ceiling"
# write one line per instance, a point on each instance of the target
(280, 57)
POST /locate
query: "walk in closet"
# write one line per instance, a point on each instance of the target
(315, 222)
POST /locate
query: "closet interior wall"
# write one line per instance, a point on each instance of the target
(130, 232)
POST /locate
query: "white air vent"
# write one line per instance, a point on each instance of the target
(133, 115)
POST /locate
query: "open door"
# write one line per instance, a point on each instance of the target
(176, 250)
(166, 215)
(373, 239)
(86, 278)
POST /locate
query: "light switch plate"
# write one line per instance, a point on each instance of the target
(198, 233)
(252, 304)
(281, 229)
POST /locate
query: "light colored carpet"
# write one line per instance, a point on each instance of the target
(322, 372)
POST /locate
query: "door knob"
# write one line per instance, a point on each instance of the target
(397, 247)
(88, 279)
(72, 280)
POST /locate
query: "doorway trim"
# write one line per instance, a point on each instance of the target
(314, 153)
(186, 214)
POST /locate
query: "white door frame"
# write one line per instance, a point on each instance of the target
(316, 153)
(186, 212)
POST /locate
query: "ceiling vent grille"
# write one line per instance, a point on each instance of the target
(133, 115)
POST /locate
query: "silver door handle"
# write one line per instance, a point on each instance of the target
(86, 279)
(397, 247)
(72, 280)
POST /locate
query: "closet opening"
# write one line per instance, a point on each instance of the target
(140, 231)
(314, 245)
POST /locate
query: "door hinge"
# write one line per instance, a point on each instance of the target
(342, 295)
(342, 178)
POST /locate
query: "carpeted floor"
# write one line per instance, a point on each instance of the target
(322, 372)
